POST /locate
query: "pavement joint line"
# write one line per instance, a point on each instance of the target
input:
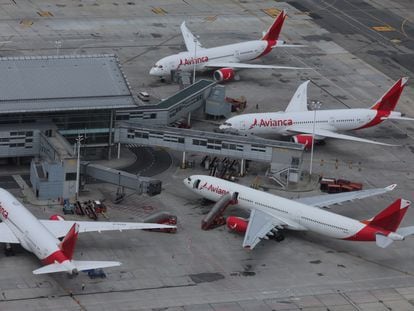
(347, 298)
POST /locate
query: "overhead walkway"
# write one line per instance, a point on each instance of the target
(280, 154)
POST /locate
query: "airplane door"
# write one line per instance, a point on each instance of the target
(243, 125)
(332, 121)
(196, 184)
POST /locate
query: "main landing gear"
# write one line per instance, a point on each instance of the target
(278, 237)
(8, 250)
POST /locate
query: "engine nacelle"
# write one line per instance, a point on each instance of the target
(223, 74)
(304, 140)
(56, 217)
(237, 224)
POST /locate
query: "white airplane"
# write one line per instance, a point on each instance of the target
(271, 213)
(40, 237)
(297, 121)
(223, 59)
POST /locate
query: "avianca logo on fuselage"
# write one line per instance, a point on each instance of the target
(3, 212)
(215, 189)
(192, 60)
(270, 123)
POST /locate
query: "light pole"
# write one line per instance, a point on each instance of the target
(58, 45)
(78, 142)
(315, 106)
(195, 58)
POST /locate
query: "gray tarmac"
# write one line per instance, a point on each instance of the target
(209, 270)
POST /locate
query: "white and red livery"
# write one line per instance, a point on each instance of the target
(226, 59)
(269, 214)
(41, 237)
(300, 123)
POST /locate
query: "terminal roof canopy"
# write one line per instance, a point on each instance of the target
(61, 83)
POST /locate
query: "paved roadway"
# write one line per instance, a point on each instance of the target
(196, 270)
(350, 24)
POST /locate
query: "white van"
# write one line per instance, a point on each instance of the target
(144, 96)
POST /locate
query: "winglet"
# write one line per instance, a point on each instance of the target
(272, 34)
(391, 187)
(389, 100)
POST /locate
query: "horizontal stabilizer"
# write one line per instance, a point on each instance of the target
(289, 46)
(382, 240)
(74, 266)
(398, 118)
(88, 265)
(52, 268)
(406, 231)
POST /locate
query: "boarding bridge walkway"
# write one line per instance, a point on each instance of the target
(280, 154)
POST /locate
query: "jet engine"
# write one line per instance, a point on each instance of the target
(56, 217)
(304, 140)
(223, 74)
(237, 224)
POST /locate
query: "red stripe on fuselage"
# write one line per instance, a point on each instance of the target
(57, 256)
(270, 44)
(367, 234)
(377, 119)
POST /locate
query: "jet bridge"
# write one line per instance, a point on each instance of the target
(123, 179)
(281, 155)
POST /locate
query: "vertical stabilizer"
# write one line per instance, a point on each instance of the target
(273, 32)
(391, 217)
(69, 242)
(389, 100)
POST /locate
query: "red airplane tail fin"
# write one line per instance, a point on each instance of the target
(273, 32)
(391, 217)
(389, 100)
(69, 242)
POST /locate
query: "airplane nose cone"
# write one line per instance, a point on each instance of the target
(187, 182)
(152, 71)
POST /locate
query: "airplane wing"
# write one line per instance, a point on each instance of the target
(189, 39)
(260, 224)
(330, 134)
(331, 199)
(59, 228)
(236, 65)
(6, 235)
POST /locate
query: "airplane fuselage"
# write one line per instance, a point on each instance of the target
(185, 61)
(296, 215)
(280, 122)
(31, 233)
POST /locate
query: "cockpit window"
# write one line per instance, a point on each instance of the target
(158, 66)
(227, 124)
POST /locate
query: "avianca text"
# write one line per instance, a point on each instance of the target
(215, 189)
(3, 212)
(271, 122)
(192, 60)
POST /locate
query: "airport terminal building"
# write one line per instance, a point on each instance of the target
(48, 101)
